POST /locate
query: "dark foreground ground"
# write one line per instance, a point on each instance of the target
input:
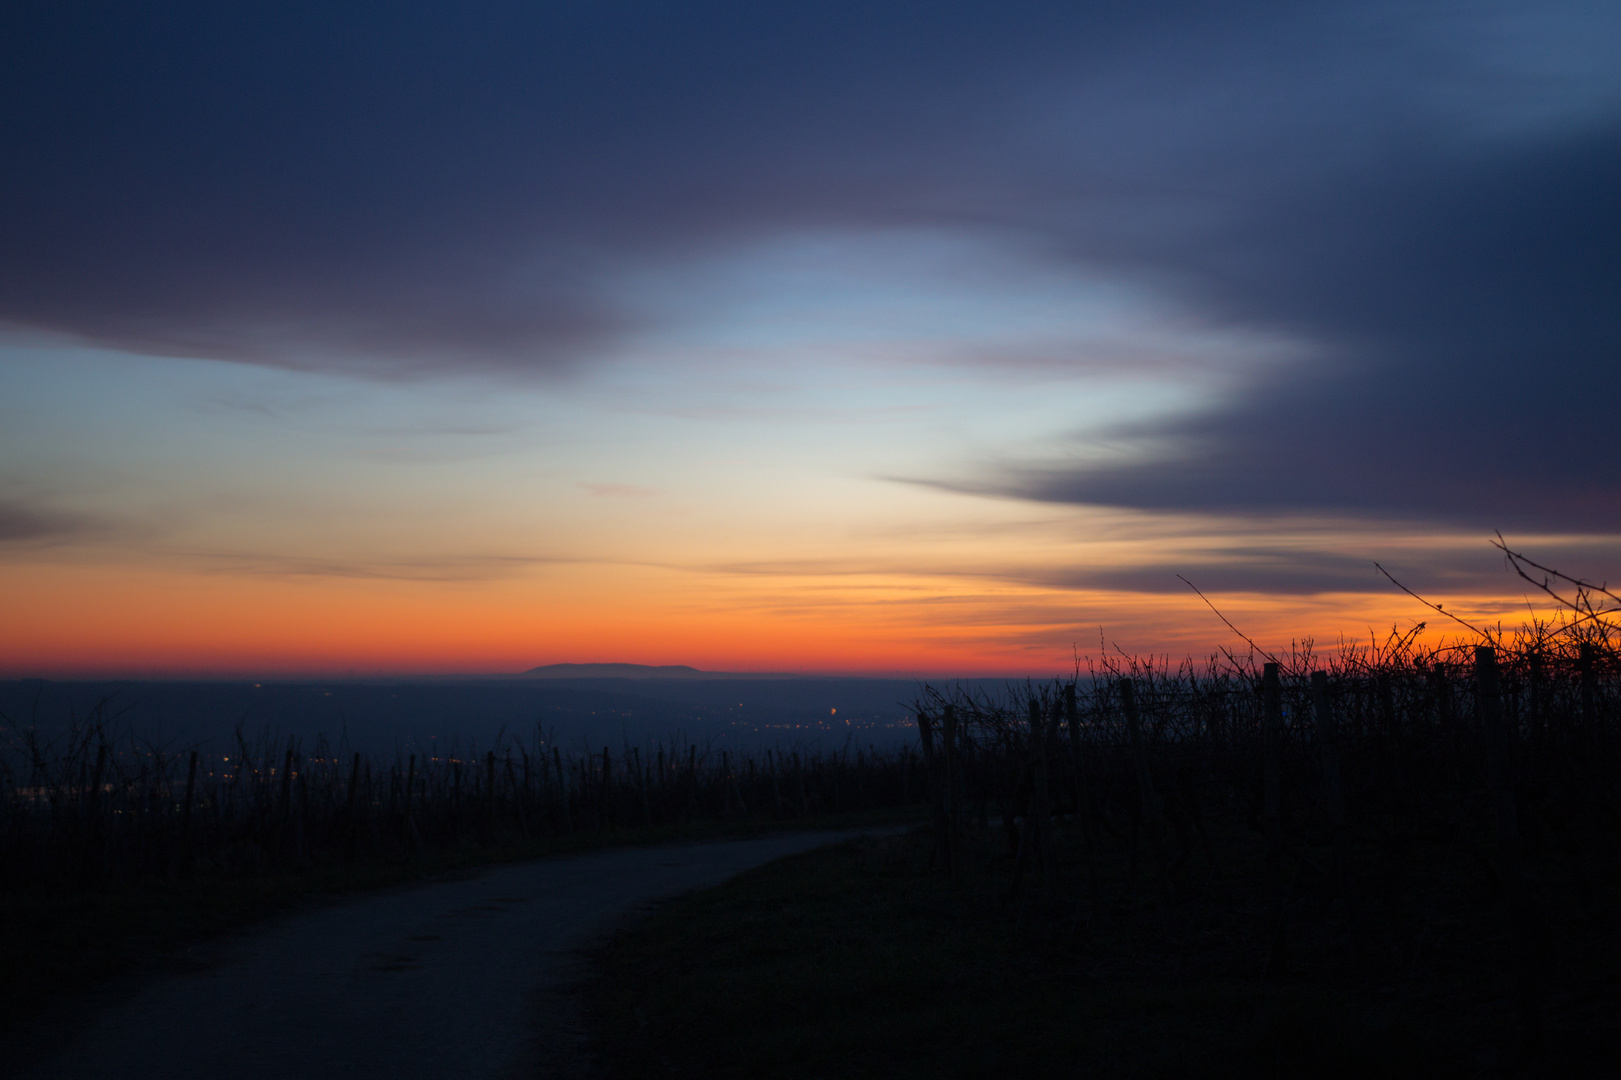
(63, 941)
(454, 978)
(859, 961)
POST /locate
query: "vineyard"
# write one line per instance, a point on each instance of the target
(1427, 825)
(99, 804)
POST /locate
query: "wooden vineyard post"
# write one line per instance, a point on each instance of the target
(1271, 774)
(1499, 769)
(1042, 811)
(1216, 723)
(1446, 717)
(185, 813)
(1027, 830)
(641, 780)
(410, 782)
(1334, 799)
(1584, 673)
(1073, 737)
(527, 791)
(799, 785)
(302, 817)
(354, 786)
(518, 797)
(775, 761)
(1272, 804)
(411, 832)
(1083, 796)
(934, 778)
(1329, 753)
(1538, 690)
(455, 795)
(284, 810)
(1505, 823)
(1148, 798)
(726, 784)
(562, 792)
(350, 814)
(692, 786)
(737, 793)
(948, 726)
(489, 794)
(1387, 705)
(371, 801)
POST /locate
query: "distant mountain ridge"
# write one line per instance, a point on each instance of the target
(685, 672)
(619, 671)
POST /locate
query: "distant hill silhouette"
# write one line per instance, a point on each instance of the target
(618, 671)
(650, 672)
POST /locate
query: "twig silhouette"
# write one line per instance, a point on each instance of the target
(1426, 603)
(1228, 621)
(1582, 605)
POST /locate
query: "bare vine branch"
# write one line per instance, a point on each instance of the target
(1426, 603)
(1230, 626)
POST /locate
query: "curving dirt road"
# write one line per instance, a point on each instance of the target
(451, 979)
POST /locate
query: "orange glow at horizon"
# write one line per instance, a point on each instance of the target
(195, 518)
(117, 621)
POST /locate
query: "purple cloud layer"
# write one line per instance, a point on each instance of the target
(1431, 198)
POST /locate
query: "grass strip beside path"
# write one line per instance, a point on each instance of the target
(857, 961)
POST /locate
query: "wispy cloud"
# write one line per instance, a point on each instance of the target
(447, 568)
(1273, 553)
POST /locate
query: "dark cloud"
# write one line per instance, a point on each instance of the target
(400, 189)
(1471, 317)
(419, 185)
(1248, 564)
(1442, 570)
(1259, 570)
(1429, 199)
(25, 524)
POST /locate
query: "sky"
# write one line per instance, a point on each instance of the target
(934, 338)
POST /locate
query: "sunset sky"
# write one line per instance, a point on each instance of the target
(872, 337)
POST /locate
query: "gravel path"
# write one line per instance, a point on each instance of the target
(451, 979)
